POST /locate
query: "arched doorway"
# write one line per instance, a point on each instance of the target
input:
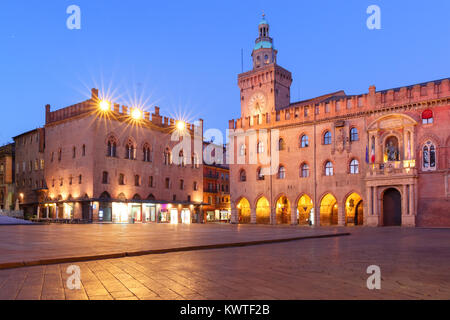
(304, 207)
(105, 207)
(243, 208)
(354, 210)
(283, 210)
(328, 210)
(263, 211)
(392, 208)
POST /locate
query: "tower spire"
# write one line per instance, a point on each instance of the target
(264, 52)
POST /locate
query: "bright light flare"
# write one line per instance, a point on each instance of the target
(136, 114)
(181, 125)
(104, 105)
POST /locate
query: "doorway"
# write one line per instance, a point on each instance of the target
(392, 208)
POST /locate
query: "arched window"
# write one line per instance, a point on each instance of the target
(147, 153)
(83, 150)
(354, 134)
(327, 137)
(167, 156)
(181, 158)
(281, 172)
(195, 161)
(260, 147)
(427, 116)
(429, 156)
(304, 170)
(112, 148)
(329, 168)
(304, 141)
(121, 179)
(259, 174)
(242, 175)
(242, 150)
(281, 144)
(354, 166)
(195, 186)
(74, 152)
(181, 184)
(130, 151)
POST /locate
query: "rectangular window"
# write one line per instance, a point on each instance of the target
(150, 182)
(105, 177)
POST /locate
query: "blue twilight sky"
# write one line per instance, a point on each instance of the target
(184, 56)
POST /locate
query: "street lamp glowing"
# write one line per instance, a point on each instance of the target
(136, 114)
(181, 125)
(104, 105)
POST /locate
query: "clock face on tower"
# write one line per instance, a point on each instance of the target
(257, 103)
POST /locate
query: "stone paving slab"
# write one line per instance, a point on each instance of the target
(414, 265)
(50, 244)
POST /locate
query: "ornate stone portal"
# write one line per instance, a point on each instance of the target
(392, 168)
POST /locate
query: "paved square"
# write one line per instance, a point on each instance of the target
(29, 243)
(414, 265)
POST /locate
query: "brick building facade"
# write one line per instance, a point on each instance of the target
(29, 164)
(377, 158)
(216, 183)
(216, 193)
(7, 169)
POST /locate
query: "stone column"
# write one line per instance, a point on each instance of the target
(412, 210)
(38, 211)
(273, 215)
(294, 220)
(375, 201)
(47, 209)
(316, 215)
(234, 216)
(341, 215)
(405, 203)
(369, 194)
(253, 216)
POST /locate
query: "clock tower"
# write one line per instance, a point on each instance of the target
(266, 88)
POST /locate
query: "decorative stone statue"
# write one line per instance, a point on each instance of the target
(392, 151)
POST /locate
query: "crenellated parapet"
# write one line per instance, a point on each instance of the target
(118, 112)
(341, 105)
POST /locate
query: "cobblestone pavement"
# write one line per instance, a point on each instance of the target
(414, 265)
(30, 243)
